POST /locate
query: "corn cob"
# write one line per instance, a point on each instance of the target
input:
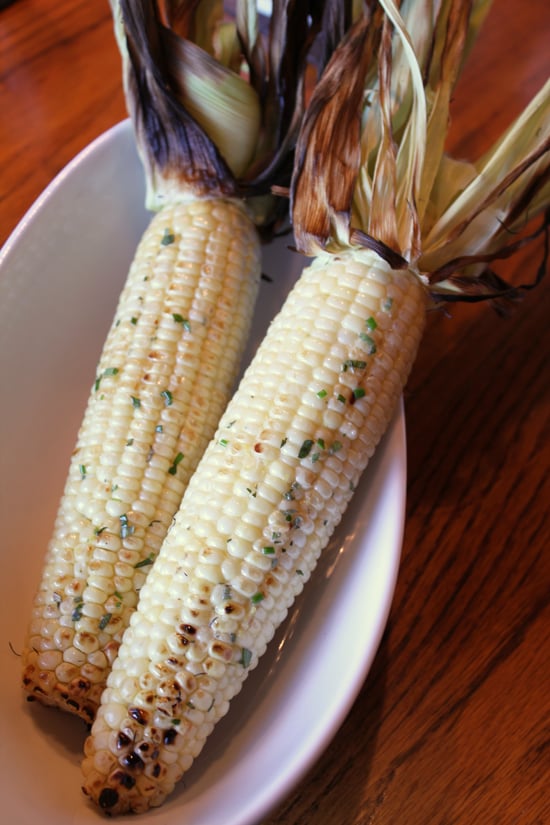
(172, 354)
(306, 418)
(261, 506)
(166, 371)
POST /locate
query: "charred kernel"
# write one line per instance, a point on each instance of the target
(156, 770)
(124, 779)
(133, 761)
(189, 629)
(123, 740)
(108, 798)
(138, 715)
(170, 736)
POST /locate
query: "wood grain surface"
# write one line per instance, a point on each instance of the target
(452, 724)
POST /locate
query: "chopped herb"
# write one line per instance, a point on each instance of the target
(252, 492)
(358, 392)
(335, 446)
(99, 530)
(299, 572)
(133, 320)
(257, 598)
(77, 612)
(179, 319)
(321, 443)
(126, 529)
(370, 323)
(106, 372)
(322, 393)
(223, 441)
(135, 401)
(129, 442)
(145, 562)
(369, 341)
(354, 364)
(268, 551)
(276, 537)
(305, 449)
(226, 592)
(173, 468)
(387, 305)
(246, 657)
(159, 428)
(104, 621)
(283, 441)
(167, 397)
(190, 704)
(341, 398)
(83, 471)
(315, 457)
(168, 237)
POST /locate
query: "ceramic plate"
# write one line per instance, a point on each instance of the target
(60, 275)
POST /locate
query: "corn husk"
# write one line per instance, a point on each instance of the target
(390, 185)
(216, 102)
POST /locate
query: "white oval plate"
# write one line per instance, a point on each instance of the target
(60, 275)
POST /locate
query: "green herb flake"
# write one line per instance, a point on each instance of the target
(305, 449)
(371, 324)
(126, 529)
(353, 364)
(77, 612)
(129, 442)
(104, 621)
(223, 442)
(136, 403)
(226, 592)
(99, 530)
(387, 305)
(322, 394)
(257, 598)
(145, 562)
(299, 572)
(283, 442)
(168, 237)
(133, 320)
(246, 657)
(109, 371)
(268, 551)
(341, 398)
(358, 392)
(335, 446)
(172, 470)
(179, 319)
(369, 343)
(83, 470)
(167, 397)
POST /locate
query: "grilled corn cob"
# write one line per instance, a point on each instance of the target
(172, 354)
(308, 414)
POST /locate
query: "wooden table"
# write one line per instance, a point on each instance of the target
(451, 725)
